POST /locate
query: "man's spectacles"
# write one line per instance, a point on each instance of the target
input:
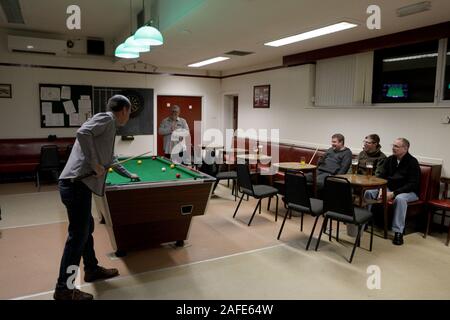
(396, 146)
(368, 142)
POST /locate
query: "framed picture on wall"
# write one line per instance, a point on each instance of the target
(261, 96)
(5, 91)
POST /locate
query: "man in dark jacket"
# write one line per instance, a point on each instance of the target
(336, 160)
(402, 171)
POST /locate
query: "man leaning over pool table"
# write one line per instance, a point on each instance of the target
(92, 152)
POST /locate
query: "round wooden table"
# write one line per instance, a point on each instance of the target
(236, 150)
(255, 157)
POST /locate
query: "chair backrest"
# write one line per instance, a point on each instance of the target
(446, 182)
(49, 157)
(297, 189)
(209, 169)
(425, 177)
(338, 196)
(69, 150)
(243, 177)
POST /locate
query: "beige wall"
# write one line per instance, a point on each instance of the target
(292, 112)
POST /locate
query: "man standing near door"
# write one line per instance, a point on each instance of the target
(174, 129)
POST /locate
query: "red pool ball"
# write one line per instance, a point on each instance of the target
(178, 175)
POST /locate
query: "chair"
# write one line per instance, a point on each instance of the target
(338, 205)
(256, 191)
(68, 150)
(297, 199)
(227, 175)
(66, 155)
(439, 204)
(48, 162)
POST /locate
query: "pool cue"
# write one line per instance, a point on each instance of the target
(126, 160)
(313, 155)
(93, 173)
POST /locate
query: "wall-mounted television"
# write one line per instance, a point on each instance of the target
(395, 90)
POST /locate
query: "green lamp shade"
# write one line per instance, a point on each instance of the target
(148, 36)
(134, 46)
(123, 52)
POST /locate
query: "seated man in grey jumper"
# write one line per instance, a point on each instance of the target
(337, 160)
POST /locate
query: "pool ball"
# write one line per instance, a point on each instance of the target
(139, 162)
(172, 166)
(178, 175)
(163, 169)
(153, 157)
(110, 170)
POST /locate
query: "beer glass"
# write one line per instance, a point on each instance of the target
(302, 161)
(355, 166)
(369, 168)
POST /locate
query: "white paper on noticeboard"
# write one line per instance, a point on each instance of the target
(84, 105)
(54, 120)
(50, 94)
(74, 119)
(46, 108)
(65, 92)
(85, 97)
(84, 115)
(69, 107)
(60, 119)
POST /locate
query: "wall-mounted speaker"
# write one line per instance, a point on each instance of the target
(96, 47)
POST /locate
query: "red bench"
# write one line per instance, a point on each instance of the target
(21, 156)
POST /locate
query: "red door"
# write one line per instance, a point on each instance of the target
(190, 110)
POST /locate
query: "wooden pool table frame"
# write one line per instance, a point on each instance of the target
(140, 215)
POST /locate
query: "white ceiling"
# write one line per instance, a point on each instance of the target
(212, 27)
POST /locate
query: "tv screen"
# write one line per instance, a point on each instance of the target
(395, 90)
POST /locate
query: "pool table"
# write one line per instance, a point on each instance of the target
(158, 208)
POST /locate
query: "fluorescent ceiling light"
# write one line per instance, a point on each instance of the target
(312, 34)
(413, 8)
(30, 47)
(209, 61)
(420, 56)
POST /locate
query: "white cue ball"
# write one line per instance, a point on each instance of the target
(163, 169)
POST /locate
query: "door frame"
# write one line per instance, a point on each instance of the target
(228, 95)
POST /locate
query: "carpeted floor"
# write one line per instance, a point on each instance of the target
(223, 258)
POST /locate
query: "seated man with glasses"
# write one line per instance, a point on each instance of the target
(402, 171)
(371, 153)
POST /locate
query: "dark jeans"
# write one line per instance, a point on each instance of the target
(77, 198)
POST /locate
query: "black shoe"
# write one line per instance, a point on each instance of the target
(100, 273)
(398, 239)
(68, 294)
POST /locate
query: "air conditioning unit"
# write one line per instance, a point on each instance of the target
(37, 45)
